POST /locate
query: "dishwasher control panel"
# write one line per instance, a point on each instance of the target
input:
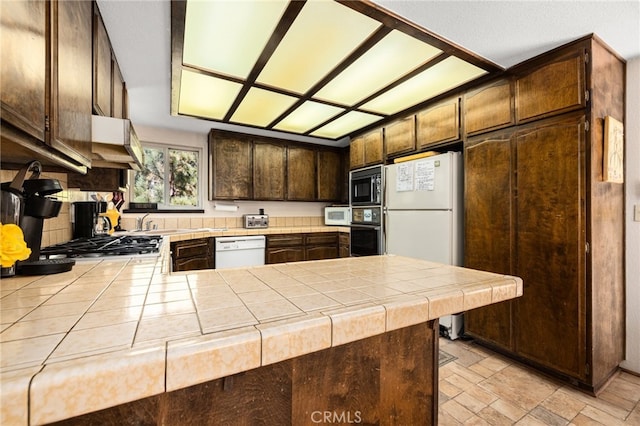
(256, 221)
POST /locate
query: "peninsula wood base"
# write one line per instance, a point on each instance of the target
(386, 379)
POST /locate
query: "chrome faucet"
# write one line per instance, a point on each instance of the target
(140, 222)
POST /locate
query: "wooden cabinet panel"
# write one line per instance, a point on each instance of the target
(550, 243)
(193, 254)
(400, 137)
(118, 92)
(301, 174)
(298, 247)
(438, 124)
(373, 148)
(269, 171)
(230, 166)
(23, 77)
(331, 176)
(356, 152)
(556, 87)
(284, 254)
(343, 242)
(489, 108)
(488, 227)
(71, 80)
(101, 67)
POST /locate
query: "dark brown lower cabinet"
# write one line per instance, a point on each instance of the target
(533, 207)
(193, 254)
(283, 248)
(388, 379)
(343, 243)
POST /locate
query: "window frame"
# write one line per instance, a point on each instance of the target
(166, 207)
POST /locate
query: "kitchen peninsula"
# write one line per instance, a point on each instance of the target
(351, 338)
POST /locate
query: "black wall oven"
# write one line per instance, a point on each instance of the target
(367, 238)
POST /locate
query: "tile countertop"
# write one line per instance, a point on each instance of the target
(112, 331)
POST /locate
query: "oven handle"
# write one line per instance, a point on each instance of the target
(372, 227)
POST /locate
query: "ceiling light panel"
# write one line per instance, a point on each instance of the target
(447, 74)
(346, 124)
(307, 116)
(394, 56)
(206, 96)
(260, 107)
(228, 36)
(324, 34)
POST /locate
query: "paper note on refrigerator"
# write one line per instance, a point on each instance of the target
(404, 177)
(425, 175)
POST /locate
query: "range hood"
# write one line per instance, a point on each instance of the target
(115, 144)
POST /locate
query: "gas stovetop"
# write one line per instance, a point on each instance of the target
(99, 246)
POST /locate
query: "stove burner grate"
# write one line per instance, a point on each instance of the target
(105, 245)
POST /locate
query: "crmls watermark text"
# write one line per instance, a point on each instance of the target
(335, 417)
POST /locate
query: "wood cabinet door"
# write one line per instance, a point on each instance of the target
(269, 171)
(400, 136)
(438, 124)
(117, 92)
(356, 152)
(373, 148)
(558, 86)
(230, 168)
(71, 79)
(488, 230)
(301, 174)
(331, 176)
(284, 254)
(550, 243)
(321, 252)
(489, 108)
(101, 67)
(23, 77)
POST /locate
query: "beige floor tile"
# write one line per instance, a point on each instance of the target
(466, 373)
(494, 417)
(529, 420)
(634, 417)
(601, 416)
(508, 409)
(449, 389)
(563, 405)
(518, 386)
(547, 417)
(457, 410)
(470, 402)
(460, 382)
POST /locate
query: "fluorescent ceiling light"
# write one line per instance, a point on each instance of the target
(320, 68)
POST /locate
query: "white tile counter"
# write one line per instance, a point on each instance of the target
(112, 331)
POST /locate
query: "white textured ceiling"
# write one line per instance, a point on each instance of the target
(504, 32)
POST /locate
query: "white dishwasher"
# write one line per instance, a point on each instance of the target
(236, 252)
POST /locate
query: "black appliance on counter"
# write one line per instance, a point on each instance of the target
(86, 218)
(34, 195)
(105, 245)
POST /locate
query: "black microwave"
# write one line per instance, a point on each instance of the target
(365, 186)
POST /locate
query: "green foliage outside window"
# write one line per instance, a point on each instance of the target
(181, 174)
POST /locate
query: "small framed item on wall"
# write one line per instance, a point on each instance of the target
(613, 158)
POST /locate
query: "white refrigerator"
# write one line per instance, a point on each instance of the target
(423, 214)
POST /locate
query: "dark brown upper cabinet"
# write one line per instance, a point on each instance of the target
(46, 83)
(230, 167)
(246, 167)
(301, 174)
(269, 171)
(102, 67)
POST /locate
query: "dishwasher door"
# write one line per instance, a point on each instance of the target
(241, 251)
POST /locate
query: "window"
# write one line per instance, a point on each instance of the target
(170, 177)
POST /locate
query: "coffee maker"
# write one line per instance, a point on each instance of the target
(87, 221)
(31, 203)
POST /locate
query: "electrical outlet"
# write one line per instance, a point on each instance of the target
(636, 213)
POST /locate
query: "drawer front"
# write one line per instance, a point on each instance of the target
(322, 239)
(285, 240)
(191, 248)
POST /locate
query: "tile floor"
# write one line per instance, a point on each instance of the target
(481, 387)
